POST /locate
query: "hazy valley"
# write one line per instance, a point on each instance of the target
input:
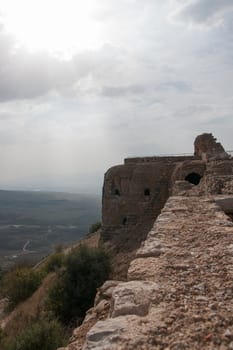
(33, 223)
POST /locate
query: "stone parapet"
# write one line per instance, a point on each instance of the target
(179, 289)
(166, 159)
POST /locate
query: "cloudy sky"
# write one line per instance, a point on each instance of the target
(84, 84)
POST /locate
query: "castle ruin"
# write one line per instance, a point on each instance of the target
(134, 193)
(178, 294)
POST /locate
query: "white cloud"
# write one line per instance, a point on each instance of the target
(150, 89)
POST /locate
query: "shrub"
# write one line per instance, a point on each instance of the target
(19, 284)
(85, 270)
(40, 335)
(1, 273)
(95, 227)
(54, 262)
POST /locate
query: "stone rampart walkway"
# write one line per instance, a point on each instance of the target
(179, 293)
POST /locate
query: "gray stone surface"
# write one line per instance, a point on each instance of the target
(105, 333)
(133, 298)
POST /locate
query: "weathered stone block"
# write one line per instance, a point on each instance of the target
(133, 298)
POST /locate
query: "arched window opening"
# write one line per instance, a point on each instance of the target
(193, 178)
(116, 192)
(124, 221)
(146, 192)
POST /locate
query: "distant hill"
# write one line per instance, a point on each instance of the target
(32, 223)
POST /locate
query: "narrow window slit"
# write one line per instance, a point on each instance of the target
(124, 221)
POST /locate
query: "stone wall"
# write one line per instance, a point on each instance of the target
(134, 194)
(179, 291)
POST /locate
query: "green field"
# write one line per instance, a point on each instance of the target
(33, 223)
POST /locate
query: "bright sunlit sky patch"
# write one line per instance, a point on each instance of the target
(58, 26)
(84, 84)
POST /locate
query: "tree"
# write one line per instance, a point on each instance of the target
(85, 270)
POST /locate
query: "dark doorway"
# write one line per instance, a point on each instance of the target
(116, 192)
(193, 178)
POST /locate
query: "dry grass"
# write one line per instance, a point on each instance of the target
(29, 309)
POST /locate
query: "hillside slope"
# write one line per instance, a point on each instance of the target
(32, 308)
